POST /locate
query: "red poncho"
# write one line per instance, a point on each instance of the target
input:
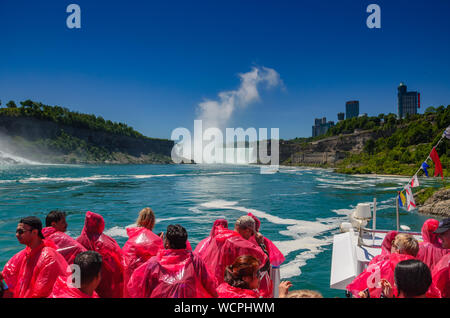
(172, 274)
(68, 247)
(225, 247)
(385, 248)
(32, 273)
(441, 276)
(275, 256)
(201, 247)
(93, 239)
(62, 290)
(384, 269)
(227, 291)
(430, 250)
(140, 247)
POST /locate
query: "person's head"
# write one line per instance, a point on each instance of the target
(29, 231)
(443, 231)
(57, 220)
(304, 293)
(90, 265)
(405, 244)
(412, 277)
(146, 219)
(245, 226)
(243, 273)
(175, 237)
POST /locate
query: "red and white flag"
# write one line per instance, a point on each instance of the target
(414, 181)
(410, 203)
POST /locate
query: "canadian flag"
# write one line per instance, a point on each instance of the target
(414, 181)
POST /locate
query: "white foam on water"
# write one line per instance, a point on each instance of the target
(337, 186)
(118, 231)
(67, 179)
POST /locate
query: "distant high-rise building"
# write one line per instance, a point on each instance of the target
(351, 109)
(408, 102)
(321, 126)
(341, 116)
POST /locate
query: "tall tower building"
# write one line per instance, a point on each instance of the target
(351, 109)
(408, 102)
(341, 116)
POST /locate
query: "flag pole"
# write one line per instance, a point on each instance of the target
(398, 215)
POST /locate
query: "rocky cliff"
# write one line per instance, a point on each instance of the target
(438, 204)
(37, 138)
(328, 151)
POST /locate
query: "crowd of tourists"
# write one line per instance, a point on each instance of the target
(229, 263)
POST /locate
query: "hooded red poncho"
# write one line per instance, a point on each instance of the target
(31, 273)
(430, 250)
(172, 274)
(68, 247)
(371, 277)
(140, 247)
(227, 291)
(385, 247)
(223, 249)
(63, 290)
(201, 247)
(93, 239)
(441, 276)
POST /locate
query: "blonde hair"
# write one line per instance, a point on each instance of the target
(146, 218)
(304, 293)
(406, 244)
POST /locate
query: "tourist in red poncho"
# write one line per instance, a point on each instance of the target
(141, 245)
(174, 273)
(32, 272)
(431, 250)
(93, 239)
(241, 279)
(276, 258)
(441, 271)
(203, 244)
(226, 245)
(89, 266)
(386, 247)
(412, 279)
(404, 247)
(56, 225)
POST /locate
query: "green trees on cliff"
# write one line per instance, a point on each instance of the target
(406, 148)
(62, 115)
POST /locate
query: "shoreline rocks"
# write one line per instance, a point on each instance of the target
(438, 204)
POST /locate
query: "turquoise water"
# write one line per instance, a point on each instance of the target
(300, 208)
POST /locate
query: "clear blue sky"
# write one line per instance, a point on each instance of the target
(149, 63)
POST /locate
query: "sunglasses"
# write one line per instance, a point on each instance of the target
(20, 231)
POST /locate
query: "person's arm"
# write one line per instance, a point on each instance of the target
(46, 277)
(386, 289)
(208, 281)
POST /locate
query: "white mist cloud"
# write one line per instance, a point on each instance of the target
(217, 113)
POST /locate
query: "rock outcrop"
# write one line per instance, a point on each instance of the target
(328, 151)
(438, 204)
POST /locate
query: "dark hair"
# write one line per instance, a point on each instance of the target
(54, 216)
(177, 236)
(90, 264)
(34, 223)
(412, 277)
(243, 266)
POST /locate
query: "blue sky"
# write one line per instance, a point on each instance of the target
(150, 63)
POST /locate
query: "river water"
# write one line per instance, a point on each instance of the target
(300, 208)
